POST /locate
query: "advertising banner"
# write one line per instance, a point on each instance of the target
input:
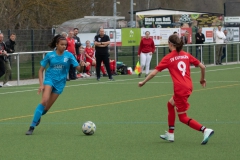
(154, 34)
(166, 32)
(131, 36)
(153, 21)
(232, 34)
(208, 33)
(189, 30)
(197, 20)
(110, 33)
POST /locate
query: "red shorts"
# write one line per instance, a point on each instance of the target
(90, 61)
(181, 103)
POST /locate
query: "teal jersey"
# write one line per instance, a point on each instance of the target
(58, 67)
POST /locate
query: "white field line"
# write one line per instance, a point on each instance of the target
(124, 80)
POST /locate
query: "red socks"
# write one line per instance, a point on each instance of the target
(88, 68)
(190, 122)
(171, 117)
(103, 70)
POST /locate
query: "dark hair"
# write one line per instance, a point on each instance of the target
(174, 32)
(75, 28)
(56, 40)
(13, 34)
(147, 31)
(176, 41)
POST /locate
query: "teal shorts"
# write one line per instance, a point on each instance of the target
(56, 88)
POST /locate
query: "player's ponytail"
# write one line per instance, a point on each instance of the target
(176, 41)
(55, 41)
(179, 46)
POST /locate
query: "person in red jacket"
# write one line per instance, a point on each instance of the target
(178, 64)
(145, 52)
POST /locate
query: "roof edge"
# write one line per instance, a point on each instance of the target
(134, 12)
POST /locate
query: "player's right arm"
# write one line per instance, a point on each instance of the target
(149, 77)
(43, 63)
(40, 77)
(161, 66)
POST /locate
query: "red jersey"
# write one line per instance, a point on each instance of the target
(81, 57)
(146, 46)
(90, 52)
(178, 65)
(71, 45)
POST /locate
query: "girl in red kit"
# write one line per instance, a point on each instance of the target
(90, 56)
(178, 63)
(89, 53)
(145, 52)
(85, 66)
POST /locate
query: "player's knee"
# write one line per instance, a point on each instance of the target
(183, 118)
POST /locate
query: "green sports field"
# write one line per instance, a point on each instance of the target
(129, 120)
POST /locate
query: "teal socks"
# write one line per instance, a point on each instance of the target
(37, 114)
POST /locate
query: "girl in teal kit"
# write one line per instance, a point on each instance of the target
(58, 61)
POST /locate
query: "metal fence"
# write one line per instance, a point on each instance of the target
(128, 55)
(30, 40)
(25, 65)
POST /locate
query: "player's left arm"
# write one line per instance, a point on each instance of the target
(197, 63)
(202, 80)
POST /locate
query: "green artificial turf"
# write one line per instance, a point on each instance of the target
(129, 120)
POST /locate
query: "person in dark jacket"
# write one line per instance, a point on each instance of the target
(200, 39)
(3, 56)
(10, 44)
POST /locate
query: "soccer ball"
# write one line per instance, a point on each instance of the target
(88, 128)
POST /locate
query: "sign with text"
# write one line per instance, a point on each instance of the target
(131, 36)
(208, 33)
(166, 32)
(154, 34)
(110, 33)
(152, 21)
(232, 34)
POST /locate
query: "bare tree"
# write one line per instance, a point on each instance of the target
(43, 14)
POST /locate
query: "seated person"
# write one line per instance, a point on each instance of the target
(112, 66)
(94, 62)
(85, 66)
(89, 53)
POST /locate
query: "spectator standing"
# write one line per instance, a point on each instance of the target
(3, 55)
(71, 49)
(175, 32)
(220, 37)
(224, 46)
(10, 44)
(200, 39)
(101, 42)
(145, 52)
(64, 34)
(184, 38)
(77, 40)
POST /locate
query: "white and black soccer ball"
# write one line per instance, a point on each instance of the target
(88, 128)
